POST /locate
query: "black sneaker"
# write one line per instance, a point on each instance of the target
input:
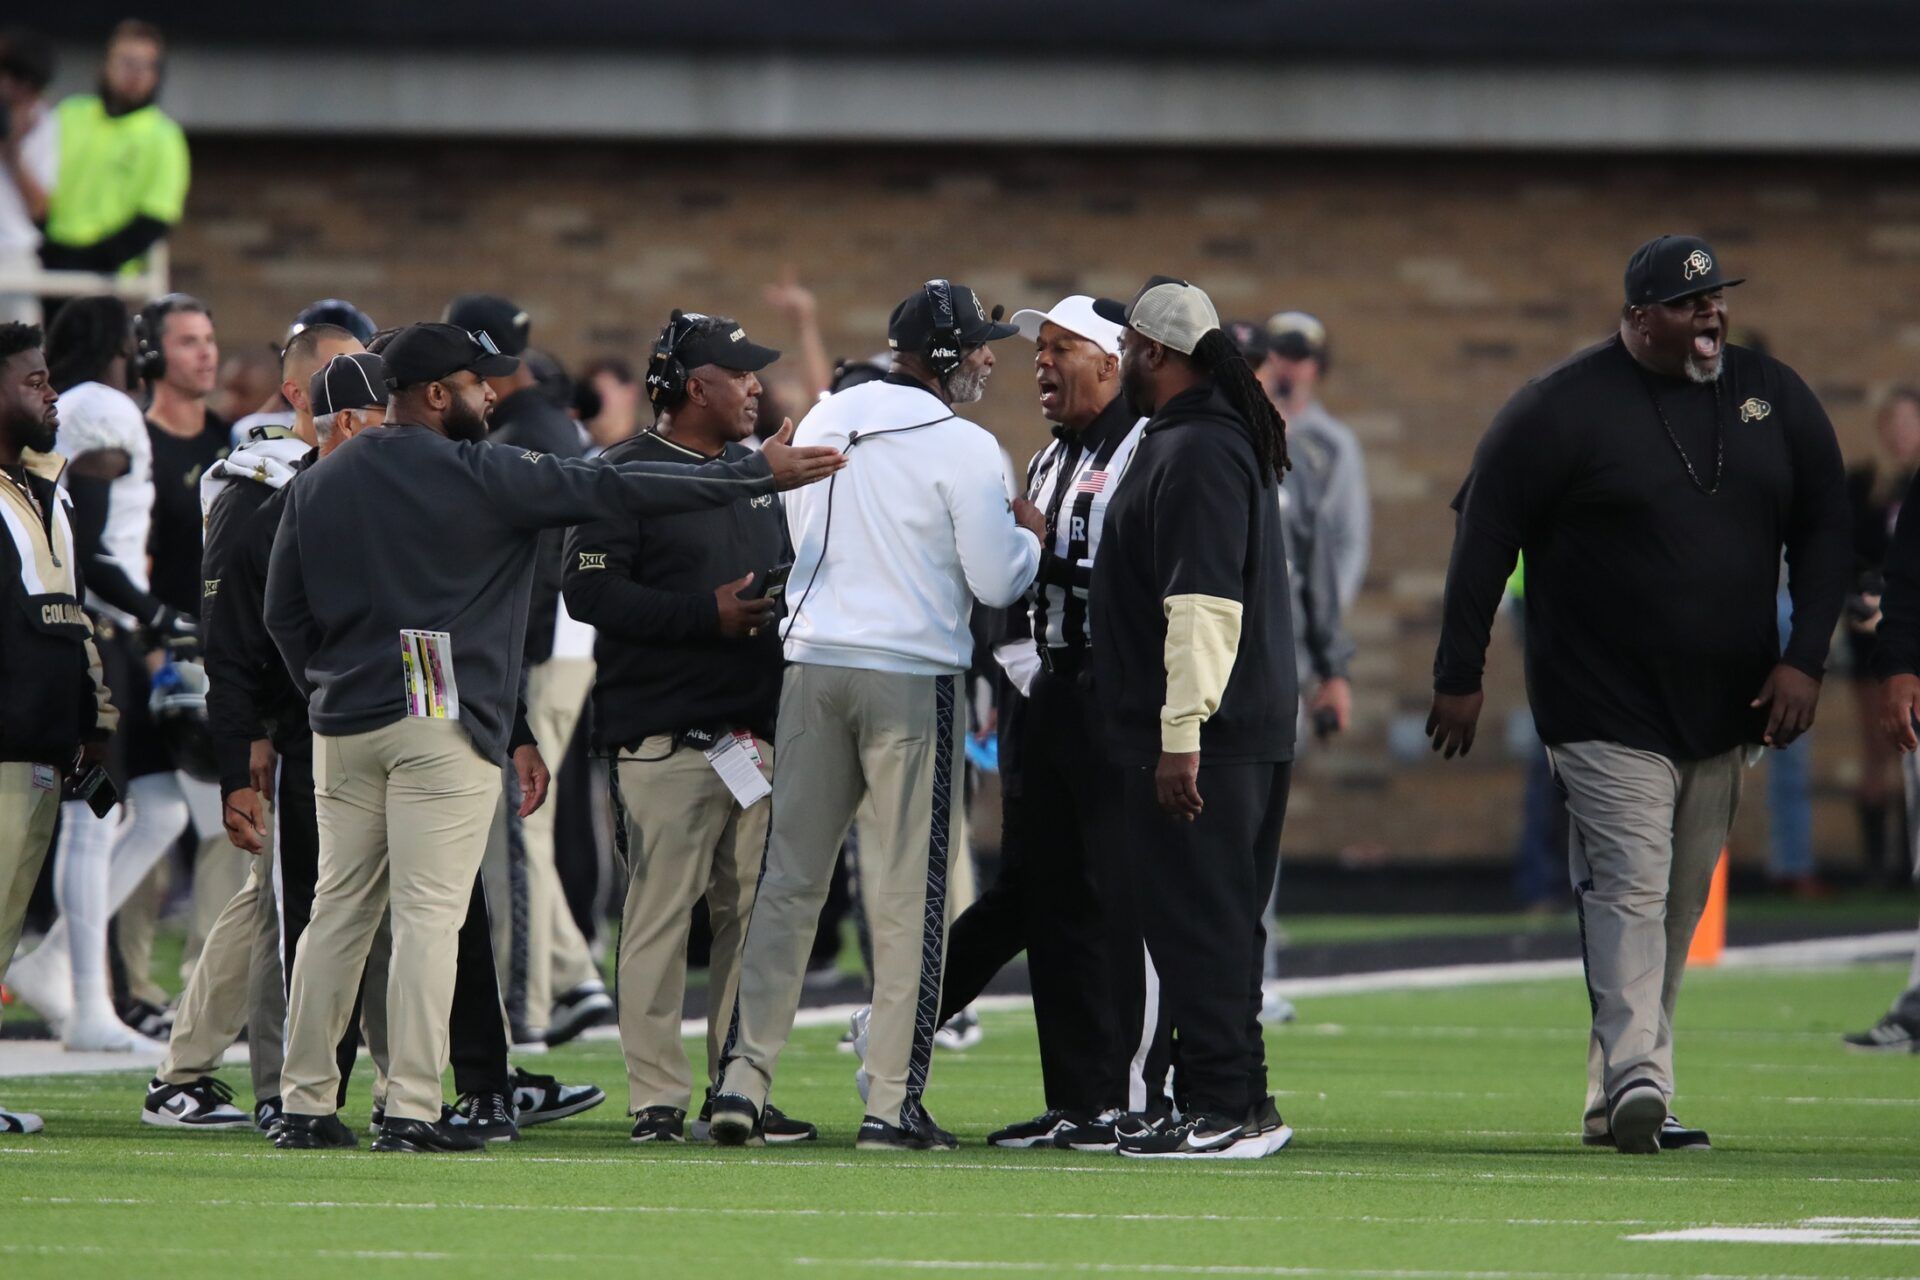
(1195, 1137)
(543, 1099)
(376, 1120)
(734, 1121)
(776, 1126)
(206, 1103)
(1636, 1116)
(1892, 1034)
(587, 1005)
(422, 1136)
(659, 1124)
(312, 1133)
(1675, 1136)
(1138, 1124)
(1041, 1131)
(149, 1019)
(922, 1135)
(700, 1129)
(267, 1114)
(1096, 1134)
(486, 1115)
(1266, 1131)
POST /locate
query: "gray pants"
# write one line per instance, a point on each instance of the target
(1907, 1006)
(845, 736)
(1646, 834)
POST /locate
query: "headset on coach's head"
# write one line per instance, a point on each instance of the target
(150, 356)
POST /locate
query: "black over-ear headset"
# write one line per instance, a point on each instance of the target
(944, 352)
(149, 324)
(666, 375)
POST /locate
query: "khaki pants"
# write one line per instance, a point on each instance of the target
(403, 815)
(1646, 834)
(134, 926)
(236, 983)
(685, 837)
(537, 945)
(846, 735)
(29, 802)
(219, 872)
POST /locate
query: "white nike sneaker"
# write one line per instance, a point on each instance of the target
(961, 1032)
(861, 1038)
(43, 978)
(14, 1123)
(110, 1035)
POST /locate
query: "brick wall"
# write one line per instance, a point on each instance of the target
(1445, 281)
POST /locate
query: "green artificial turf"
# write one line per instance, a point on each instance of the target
(1435, 1140)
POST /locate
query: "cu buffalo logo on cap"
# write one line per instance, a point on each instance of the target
(1754, 408)
(1698, 264)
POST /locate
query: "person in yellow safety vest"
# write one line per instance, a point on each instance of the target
(123, 163)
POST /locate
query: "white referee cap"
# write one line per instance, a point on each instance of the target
(1076, 315)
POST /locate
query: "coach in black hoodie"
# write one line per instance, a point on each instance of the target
(688, 656)
(1193, 658)
(397, 593)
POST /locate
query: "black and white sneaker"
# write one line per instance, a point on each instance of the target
(659, 1124)
(1096, 1134)
(1675, 1136)
(16, 1123)
(587, 1005)
(486, 1115)
(312, 1133)
(1041, 1131)
(149, 1019)
(1196, 1137)
(1892, 1034)
(1635, 1118)
(961, 1032)
(267, 1114)
(734, 1122)
(543, 1099)
(206, 1103)
(1266, 1131)
(777, 1127)
(921, 1135)
(1138, 1124)
(419, 1137)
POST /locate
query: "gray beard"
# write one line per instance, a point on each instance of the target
(966, 387)
(1704, 373)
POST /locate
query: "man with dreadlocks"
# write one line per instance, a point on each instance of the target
(1193, 661)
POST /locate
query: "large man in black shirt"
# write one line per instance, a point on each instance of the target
(1652, 482)
(1193, 661)
(689, 665)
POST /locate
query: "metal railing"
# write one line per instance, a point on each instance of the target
(41, 283)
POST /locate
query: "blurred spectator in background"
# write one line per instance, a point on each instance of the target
(795, 301)
(123, 162)
(1876, 489)
(1540, 858)
(249, 383)
(1295, 362)
(608, 397)
(28, 162)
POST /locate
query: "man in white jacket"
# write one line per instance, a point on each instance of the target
(888, 561)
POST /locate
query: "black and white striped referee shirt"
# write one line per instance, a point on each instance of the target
(1071, 481)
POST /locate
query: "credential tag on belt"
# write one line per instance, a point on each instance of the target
(426, 667)
(738, 765)
(46, 778)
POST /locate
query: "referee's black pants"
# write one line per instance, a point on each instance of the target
(1199, 890)
(477, 1032)
(1052, 895)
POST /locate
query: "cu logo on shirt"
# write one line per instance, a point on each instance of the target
(1753, 409)
(764, 500)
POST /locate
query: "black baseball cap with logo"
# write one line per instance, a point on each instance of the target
(428, 352)
(911, 326)
(1669, 268)
(722, 341)
(489, 313)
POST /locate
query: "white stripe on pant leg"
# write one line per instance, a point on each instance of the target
(1149, 1026)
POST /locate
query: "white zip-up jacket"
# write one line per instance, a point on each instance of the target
(890, 555)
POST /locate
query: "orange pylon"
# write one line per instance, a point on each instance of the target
(1710, 935)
